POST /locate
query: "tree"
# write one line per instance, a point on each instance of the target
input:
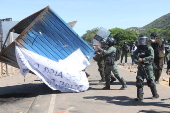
(123, 35)
(165, 33)
(154, 30)
(88, 36)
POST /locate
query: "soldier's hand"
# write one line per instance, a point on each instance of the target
(98, 53)
(152, 40)
(140, 60)
(138, 64)
(98, 47)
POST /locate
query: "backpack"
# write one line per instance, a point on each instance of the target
(117, 54)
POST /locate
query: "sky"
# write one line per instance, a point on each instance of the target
(91, 14)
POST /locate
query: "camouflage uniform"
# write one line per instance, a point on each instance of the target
(148, 56)
(101, 66)
(112, 68)
(124, 52)
(167, 49)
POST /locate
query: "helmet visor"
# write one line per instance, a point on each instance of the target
(142, 41)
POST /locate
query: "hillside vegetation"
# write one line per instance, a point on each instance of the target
(161, 26)
(159, 23)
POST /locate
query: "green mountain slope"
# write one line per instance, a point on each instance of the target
(159, 23)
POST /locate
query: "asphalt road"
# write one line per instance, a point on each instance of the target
(33, 96)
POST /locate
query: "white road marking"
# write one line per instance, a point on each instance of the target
(52, 103)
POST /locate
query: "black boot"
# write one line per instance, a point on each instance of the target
(139, 94)
(87, 75)
(112, 79)
(107, 87)
(154, 92)
(102, 80)
(124, 86)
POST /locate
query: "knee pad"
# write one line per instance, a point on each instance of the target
(151, 83)
(139, 83)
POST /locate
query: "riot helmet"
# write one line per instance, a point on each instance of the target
(142, 40)
(110, 41)
(104, 44)
(166, 42)
(153, 35)
(133, 43)
(136, 43)
(125, 43)
(163, 40)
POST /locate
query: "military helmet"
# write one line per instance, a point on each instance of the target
(153, 35)
(162, 40)
(111, 41)
(166, 42)
(142, 40)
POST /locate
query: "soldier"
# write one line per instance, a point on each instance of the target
(111, 63)
(144, 56)
(101, 64)
(168, 67)
(125, 50)
(156, 44)
(167, 50)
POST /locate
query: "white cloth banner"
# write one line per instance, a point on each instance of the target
(66, 75)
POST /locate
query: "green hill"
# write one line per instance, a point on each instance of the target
(159, 23)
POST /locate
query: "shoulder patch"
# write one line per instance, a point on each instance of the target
(150, 48)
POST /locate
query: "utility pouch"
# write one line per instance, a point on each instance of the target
(109, 60)
(159, 52)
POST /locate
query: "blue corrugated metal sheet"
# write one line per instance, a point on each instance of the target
(46, 34)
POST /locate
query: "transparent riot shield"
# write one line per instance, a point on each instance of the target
(100, 36)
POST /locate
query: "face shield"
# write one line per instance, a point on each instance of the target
(111, 41)
(143, 40)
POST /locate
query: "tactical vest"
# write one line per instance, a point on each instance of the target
(142, 54)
